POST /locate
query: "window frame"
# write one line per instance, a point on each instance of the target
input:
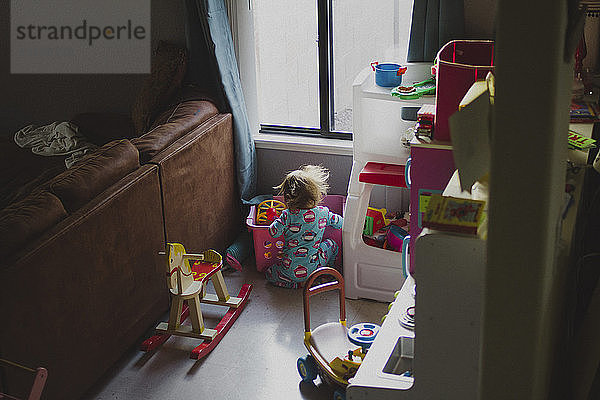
(326, 82)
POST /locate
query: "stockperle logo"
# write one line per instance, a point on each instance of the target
(80, 36)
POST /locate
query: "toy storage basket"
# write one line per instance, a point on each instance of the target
(266, 248)
(459, 64)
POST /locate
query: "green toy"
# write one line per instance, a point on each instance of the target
(423, 88)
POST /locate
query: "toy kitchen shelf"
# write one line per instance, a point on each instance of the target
(444, 356)
(380, 122)
(415, 72)
(379, 118)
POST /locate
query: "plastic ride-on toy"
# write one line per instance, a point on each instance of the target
(331, 353)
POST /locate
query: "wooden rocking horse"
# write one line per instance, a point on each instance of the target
(187, 283)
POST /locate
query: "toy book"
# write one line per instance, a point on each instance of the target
(453, 214)
(582, 111)
(580, 142)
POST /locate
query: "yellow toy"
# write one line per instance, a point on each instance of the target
(346, 367)
(188, 283)
(331, 353)
(268, 210)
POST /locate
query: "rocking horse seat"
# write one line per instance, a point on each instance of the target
(200, 271)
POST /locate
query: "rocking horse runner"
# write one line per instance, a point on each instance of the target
(188, 283)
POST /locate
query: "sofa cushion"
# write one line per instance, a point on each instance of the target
(27, 219)
(23, 172)
(174, 123)
(94, 173)
(101, 128)
(167, 72)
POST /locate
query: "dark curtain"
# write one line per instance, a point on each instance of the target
(434, 23)
(213, 67)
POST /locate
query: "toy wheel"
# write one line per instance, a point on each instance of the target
(339, 395)
(263, 207)
(307, 368)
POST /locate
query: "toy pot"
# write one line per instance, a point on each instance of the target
(388, 74)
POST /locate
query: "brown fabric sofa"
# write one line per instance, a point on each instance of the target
(81, 277)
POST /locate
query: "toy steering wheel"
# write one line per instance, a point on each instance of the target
(265, 209)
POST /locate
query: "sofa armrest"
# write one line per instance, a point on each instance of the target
(199, 187)
(173, 124)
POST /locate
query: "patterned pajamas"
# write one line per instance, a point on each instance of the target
(304, 249)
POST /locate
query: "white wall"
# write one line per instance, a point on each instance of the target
(524, 292)
(274, 164)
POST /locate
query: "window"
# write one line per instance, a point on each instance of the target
(307, 54)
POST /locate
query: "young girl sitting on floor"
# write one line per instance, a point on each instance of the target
(302, 225)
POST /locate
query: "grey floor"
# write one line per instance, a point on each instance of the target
(255, 360)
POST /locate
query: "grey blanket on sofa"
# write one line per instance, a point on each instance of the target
(55, 139)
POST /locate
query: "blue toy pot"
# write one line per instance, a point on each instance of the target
(388, 74)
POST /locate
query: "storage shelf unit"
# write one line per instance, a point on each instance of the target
(449, 274)
(378, 128)
(449, 293)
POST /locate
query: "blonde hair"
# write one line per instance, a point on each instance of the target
(305, 187)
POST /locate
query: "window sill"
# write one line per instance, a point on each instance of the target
(303, 144)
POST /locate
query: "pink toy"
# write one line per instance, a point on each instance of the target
(395, 237)
(460, 63)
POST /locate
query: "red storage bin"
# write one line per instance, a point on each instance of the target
(459, 64)
(266, 248)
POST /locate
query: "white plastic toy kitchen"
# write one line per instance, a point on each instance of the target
(449, 294)
(447, 300)
(378, 131)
